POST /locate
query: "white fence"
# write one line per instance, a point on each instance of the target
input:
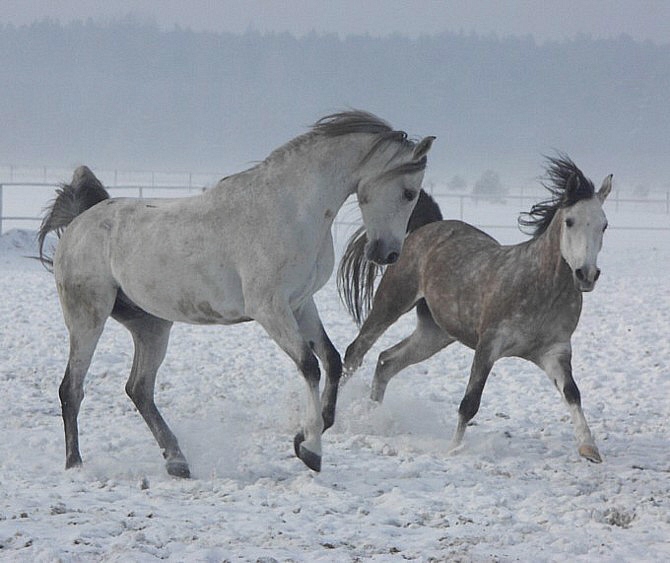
(22, 202)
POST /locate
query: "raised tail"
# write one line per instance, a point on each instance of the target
(356, 275)
(71, 200)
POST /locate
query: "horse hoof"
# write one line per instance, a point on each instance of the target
(455, 449)
(299, 439)
(178, 469)
(590, 452)
(376, 396)
(73, 463)
(310, 459)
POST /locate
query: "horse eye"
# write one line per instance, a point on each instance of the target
(408, 194)
(569, 222)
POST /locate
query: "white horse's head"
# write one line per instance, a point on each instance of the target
(582, 228)
(387, 197)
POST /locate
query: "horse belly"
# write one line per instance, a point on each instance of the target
(183, 294)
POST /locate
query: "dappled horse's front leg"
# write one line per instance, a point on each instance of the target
(280, 323)
(558, 366)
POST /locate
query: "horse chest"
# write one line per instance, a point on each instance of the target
(533, 325)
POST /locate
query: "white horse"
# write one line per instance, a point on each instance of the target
(255, 247)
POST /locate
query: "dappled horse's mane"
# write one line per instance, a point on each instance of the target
(560, 173)
(357, 121)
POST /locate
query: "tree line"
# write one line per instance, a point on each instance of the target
(128, 93)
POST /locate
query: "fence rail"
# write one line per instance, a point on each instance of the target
(466, 204)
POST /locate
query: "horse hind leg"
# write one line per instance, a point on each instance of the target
(150, 337)
(426, 340)
(479, 372)
(71, 390)
(85, 311)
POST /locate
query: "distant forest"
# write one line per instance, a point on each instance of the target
(129, 94)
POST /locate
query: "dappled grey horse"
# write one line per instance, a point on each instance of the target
(257, 246)
(522, 300)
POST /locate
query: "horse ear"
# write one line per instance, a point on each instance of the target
(422, 147)
(605, 189)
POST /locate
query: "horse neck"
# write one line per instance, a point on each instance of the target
(322, 171)
(546, 255)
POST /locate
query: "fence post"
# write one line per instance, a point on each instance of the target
(1, 196)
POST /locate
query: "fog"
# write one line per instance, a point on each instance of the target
(127, 93)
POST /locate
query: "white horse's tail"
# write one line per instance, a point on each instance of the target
(356, 274)
(71, 200)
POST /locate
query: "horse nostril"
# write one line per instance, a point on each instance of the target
(580, 274)
(597, 275)
(392, 258)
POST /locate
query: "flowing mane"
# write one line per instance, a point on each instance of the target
(354, 121)
(567, 185)
(351, 122)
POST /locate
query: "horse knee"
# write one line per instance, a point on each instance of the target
(571, 393)
(138, 394)
(334, 362)
(469, 406)
(309, 367)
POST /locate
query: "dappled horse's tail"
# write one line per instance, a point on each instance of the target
(71, 200)
(356, 274)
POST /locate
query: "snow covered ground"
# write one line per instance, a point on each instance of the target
(388, 490)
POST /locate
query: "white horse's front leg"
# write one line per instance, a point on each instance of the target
(557, 365)
(280, 323)
(313, 332)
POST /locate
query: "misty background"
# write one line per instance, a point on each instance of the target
(127, 93)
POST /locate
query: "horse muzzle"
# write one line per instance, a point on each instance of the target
(585, 278)
(382, 253)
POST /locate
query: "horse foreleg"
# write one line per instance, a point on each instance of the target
(312, 330)
(479, 372)
(393, 298)
(558, 366)
(426, 340)
(150, 336)
(281, 325)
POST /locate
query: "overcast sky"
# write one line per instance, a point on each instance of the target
(544, 19)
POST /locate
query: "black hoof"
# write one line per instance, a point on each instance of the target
(310, 459)
(299, 439)
(178, 469)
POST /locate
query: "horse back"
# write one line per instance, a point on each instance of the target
(474, 286)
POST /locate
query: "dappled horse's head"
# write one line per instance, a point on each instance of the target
(582, 227)
(388, 193)
(577, 208)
